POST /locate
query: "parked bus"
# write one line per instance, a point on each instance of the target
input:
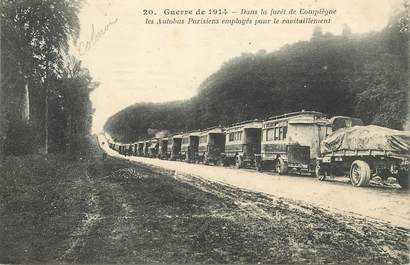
(134, 149)
(174, 147)
(242, 143)
(189, 147)
(140, 148)
(211, 145)
(146, 148)
(153, 148)
(291, 141)
(162, 148)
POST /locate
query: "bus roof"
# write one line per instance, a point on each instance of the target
(245, 124)
(292, 114)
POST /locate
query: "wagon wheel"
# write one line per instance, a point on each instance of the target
(319, 173)
(281, 166)
(238, 162)
(360, 173)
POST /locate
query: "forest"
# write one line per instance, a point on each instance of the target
(359, 75)
(44, 93)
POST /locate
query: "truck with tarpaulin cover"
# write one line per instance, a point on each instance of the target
(362, 152)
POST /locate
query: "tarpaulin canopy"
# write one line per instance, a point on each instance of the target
(368, 138)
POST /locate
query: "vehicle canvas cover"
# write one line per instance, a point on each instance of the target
(368, 138)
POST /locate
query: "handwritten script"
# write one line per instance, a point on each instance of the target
(84, 46)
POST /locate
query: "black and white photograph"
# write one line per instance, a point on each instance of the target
(204, 132)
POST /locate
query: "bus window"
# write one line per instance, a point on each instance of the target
(203, 139)
(269, 134)
(280, 129)
(231, 137)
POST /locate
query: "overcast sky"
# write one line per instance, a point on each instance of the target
(135, 62)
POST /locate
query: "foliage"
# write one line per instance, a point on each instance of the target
(74, 106)
(360, 75)
(21, 142)
(35, 38)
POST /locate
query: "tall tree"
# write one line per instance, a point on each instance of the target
(35, 35)
(76, 85)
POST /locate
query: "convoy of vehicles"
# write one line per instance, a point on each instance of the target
(298, 142)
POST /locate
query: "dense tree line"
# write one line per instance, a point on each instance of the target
(44, 93)
(360, 75)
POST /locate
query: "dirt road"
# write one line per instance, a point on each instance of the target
(385, 204)
(101, 211)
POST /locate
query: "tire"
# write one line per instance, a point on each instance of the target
(403, 180)
(206, 162)
(259, 166)
(320, 174)
(281, 166)
(222, 162)
(360, 173)
(238, 162)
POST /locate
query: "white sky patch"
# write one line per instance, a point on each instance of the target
(135, 62)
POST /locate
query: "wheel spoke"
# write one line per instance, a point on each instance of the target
(355, 174)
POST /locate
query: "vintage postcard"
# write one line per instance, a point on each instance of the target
(204, 132)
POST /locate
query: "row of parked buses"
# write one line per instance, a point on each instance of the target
(284, 143)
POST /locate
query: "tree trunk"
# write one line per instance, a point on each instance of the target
(25, 115)
(3, 130)
(46, 121)
(47, 84)
(3, 124)
(68, 136)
